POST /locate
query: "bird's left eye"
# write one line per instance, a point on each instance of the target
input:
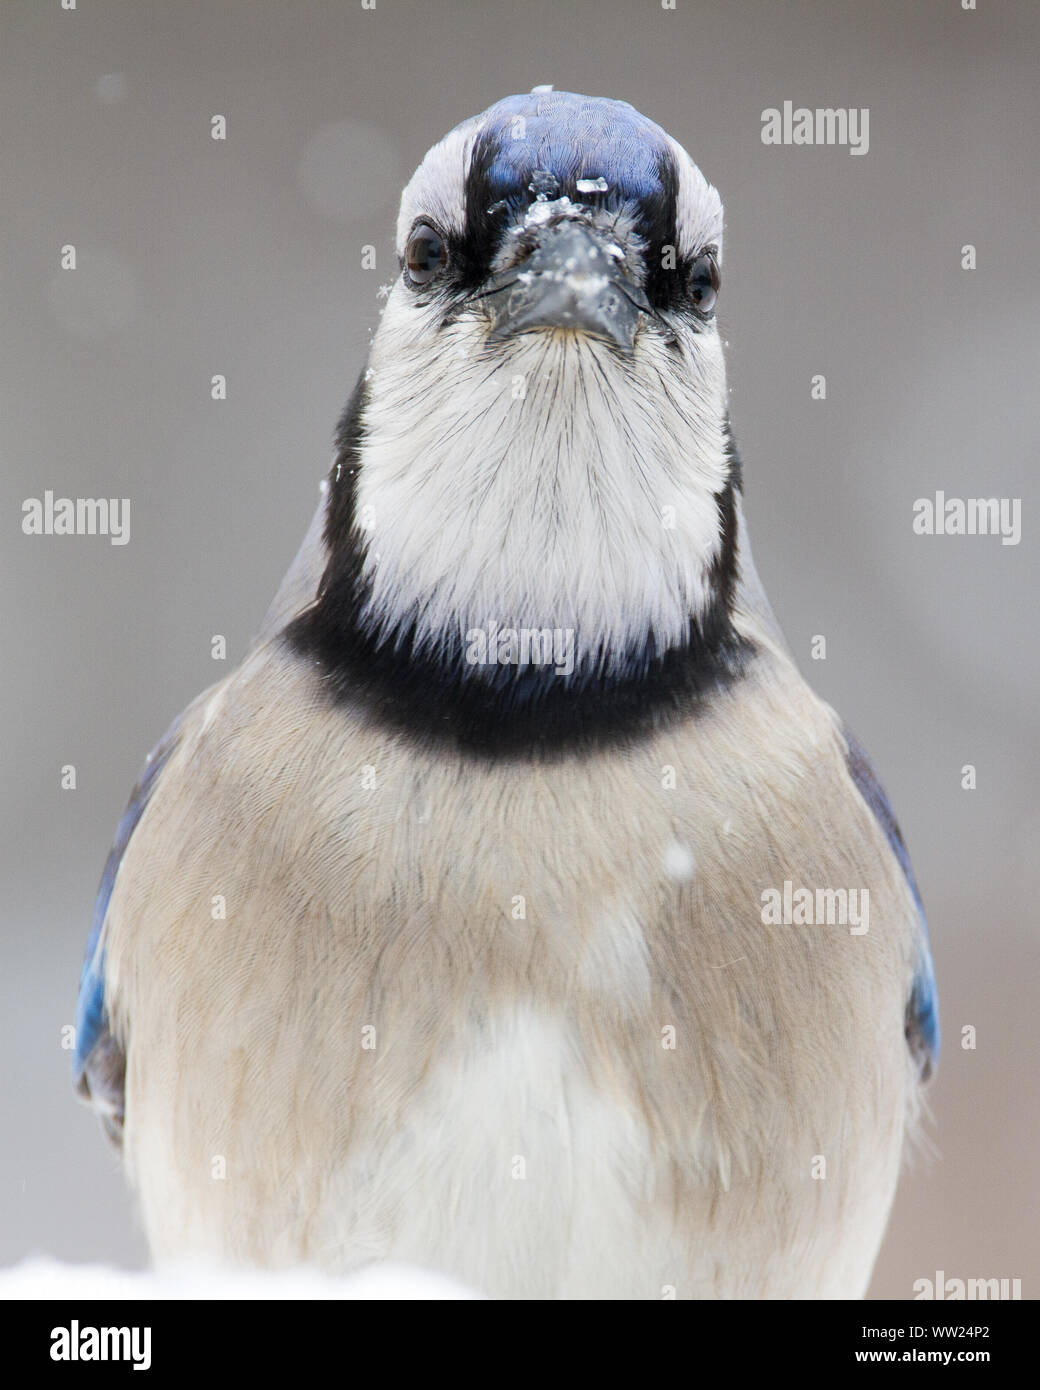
(704, 282)
(425, 255)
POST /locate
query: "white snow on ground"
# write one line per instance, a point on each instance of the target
(40, 1278)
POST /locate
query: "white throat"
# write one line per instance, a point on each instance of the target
(546, 486)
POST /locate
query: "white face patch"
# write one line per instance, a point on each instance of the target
(437, 189)
(698, 207)
(545, 481)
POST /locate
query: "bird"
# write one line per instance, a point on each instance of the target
(440, 930)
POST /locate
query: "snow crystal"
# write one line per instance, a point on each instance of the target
(44, 1279)
(545, 209)
(679, 862)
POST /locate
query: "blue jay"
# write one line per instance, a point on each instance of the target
(496, 914)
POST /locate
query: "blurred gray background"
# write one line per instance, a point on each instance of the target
(243, 258)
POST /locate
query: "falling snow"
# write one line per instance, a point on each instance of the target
(679, 862)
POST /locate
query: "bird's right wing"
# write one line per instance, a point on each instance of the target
(99, 1065)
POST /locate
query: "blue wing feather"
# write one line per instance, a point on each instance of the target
(922, 1009)
(98, 1063)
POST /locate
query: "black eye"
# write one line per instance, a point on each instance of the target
(425, 255)
(704, 282)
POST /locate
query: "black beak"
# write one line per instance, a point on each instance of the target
(572, 279)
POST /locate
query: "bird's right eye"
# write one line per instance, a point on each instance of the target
(704, 282)
(425, 255)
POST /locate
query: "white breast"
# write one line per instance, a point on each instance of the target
(512, 1170)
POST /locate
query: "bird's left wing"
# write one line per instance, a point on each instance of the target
(922, 1008)
(99, 1065)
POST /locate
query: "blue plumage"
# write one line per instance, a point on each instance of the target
(572, 137)
(91, 1013)
(922, 1010)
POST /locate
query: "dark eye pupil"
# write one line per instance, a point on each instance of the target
(704, 283)
(424, 255)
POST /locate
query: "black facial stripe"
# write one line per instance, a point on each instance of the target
(339, 531)
(474, 250)
(723, 573)
(666, 284)
(505, 712)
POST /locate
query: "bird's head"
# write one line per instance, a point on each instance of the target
(559, 214)
(540, 439)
